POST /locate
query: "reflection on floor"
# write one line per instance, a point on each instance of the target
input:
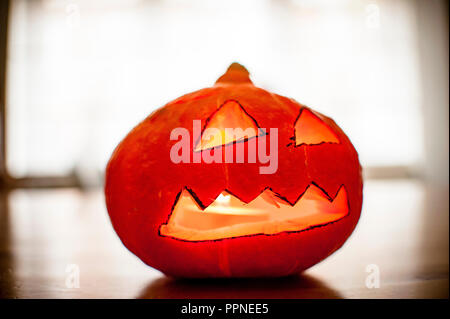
(48, 236)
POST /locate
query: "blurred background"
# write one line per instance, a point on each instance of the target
(77, 75)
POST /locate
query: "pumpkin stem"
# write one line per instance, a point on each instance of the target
(236, 73)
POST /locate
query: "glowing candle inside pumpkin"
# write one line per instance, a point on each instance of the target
(223, 200)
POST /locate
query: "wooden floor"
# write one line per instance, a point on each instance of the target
(46, 236)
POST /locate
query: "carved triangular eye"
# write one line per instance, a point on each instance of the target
(229, 124)
(311, 130)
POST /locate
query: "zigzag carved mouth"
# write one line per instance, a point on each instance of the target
(229, 217)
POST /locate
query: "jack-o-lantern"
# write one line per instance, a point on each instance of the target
(189, 211)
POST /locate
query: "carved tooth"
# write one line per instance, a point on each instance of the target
(269, 197)
(341, 197)
(313, 193)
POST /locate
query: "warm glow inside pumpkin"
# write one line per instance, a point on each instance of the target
(310, 130)
(267, 214)
(229, 116)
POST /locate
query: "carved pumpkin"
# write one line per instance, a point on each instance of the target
(219, 219)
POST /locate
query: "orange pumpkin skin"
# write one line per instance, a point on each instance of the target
(142, 184)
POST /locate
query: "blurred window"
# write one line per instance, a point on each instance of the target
(82, 73)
